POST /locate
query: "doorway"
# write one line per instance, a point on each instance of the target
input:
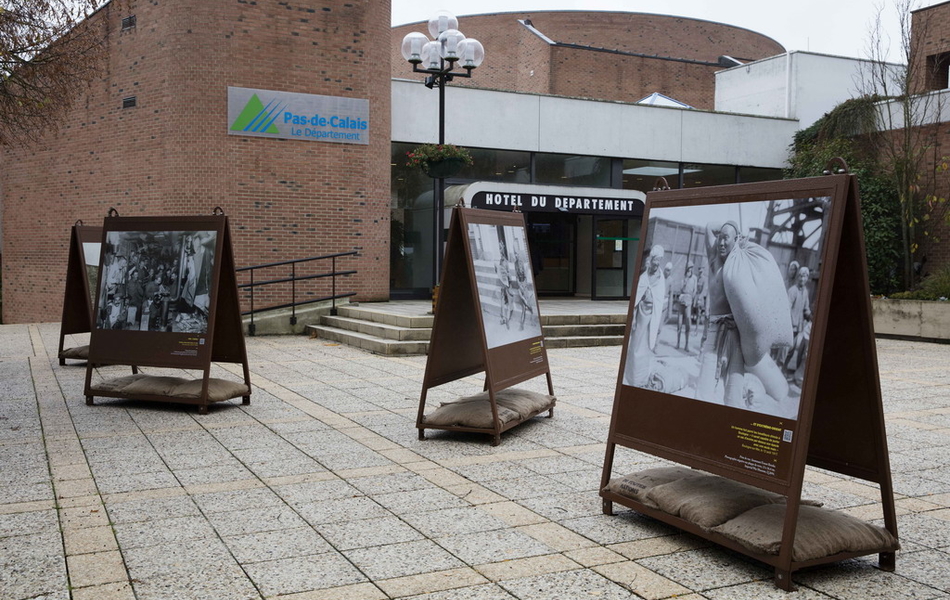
(552, 240)
(615, 248)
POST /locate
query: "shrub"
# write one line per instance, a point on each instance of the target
(935, 286)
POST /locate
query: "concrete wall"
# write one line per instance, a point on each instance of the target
(172, 154)
(796, 85)
(529, 122)
(912, 319)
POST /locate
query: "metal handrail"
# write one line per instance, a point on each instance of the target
(293, 279)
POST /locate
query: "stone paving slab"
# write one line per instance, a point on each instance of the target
(320, 489)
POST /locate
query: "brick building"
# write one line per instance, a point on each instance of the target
(151, 137)
(930, 70)
(604, 55)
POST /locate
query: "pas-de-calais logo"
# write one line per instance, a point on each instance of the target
(258, 118)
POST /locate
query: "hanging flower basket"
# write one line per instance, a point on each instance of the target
(447, 167)
(439, 160)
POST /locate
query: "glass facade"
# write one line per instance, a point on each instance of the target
(498, 165)
(697, 175)
(753, 174)
(643, 174)
(565, 169)
(571, 254)
(411, 227)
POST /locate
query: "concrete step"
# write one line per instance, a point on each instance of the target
(368, 342)
(392, 334)
(617, 319)
(378, 316)
(551, 331)
(380, 330)
(583, 341)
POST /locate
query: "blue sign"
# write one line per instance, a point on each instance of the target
(290, 116)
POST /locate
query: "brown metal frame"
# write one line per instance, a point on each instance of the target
(841, 391)
(223, 341)
(459, 347)
(77, 304)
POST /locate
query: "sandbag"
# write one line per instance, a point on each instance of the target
(668, 379)
(758, 299)
(818, 532)
(637, 485)
(709, 500)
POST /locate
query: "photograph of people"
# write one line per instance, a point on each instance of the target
(648, 313)
(156, 281)
(685, 302)
(505, 283)
(753, 327)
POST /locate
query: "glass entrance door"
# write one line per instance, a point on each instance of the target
(614, 252)
(551, 239)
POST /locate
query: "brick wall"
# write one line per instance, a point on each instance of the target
(516, 59)
(171, 154)
(935, 247)
(930, 37)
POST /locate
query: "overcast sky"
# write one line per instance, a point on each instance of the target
(838, 27)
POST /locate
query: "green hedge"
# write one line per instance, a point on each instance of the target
(935, 286)
(880, 207)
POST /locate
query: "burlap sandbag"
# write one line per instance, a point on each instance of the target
(153, 385)
(115, 385)
(709, 500)
(668, 379)
(475, 411)
(818, 533)
(218, 389)
(77, 353)
(638, 485)
(758, 299)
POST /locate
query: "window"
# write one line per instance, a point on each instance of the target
(695, 175)
(566, 169)
(938, 67)
(128, 22)
(498, 165)
(643, 174)
(129, 102)
(751, 174)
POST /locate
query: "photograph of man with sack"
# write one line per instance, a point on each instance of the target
(752, 336)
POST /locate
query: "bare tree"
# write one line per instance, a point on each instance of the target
(48, 50)
(904, 141)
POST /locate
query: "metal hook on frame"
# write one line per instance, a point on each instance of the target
(836, 166)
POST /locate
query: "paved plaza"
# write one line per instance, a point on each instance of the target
(321, 489)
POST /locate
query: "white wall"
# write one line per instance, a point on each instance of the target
(529, 122)
(797, 85)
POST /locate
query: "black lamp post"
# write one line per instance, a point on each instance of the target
(449, 55)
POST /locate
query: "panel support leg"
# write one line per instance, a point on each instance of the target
(887, 561)
(783, 580)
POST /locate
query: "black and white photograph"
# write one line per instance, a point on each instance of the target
(505, 283)
(90, 252)
(722, 310)
(156, 281)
